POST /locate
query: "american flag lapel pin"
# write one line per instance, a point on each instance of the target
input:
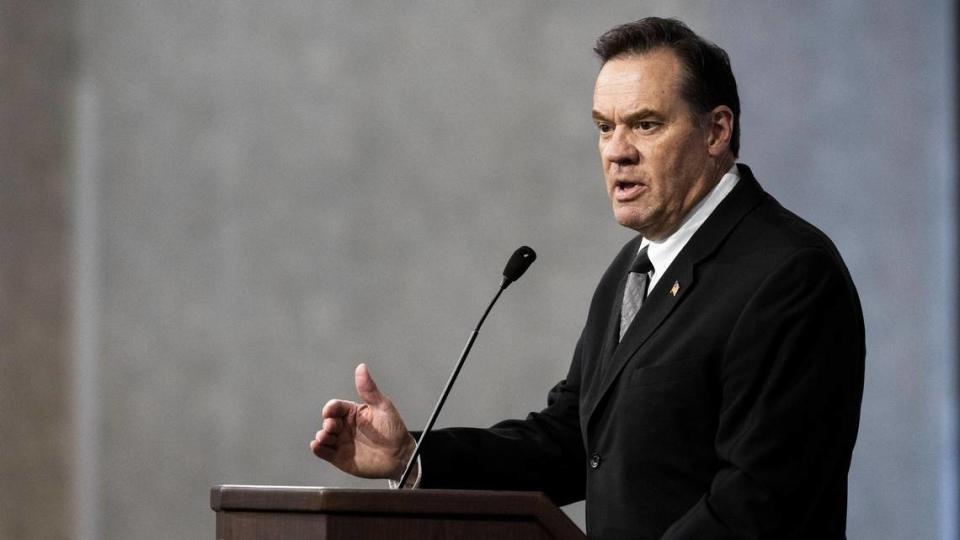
(675, 289)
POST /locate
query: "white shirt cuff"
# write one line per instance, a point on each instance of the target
(413, 481)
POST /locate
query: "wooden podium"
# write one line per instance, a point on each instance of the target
(293, 513)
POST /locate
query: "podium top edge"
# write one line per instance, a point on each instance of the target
(407, 503)
(339, 499)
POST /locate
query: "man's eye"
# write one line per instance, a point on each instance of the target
(604, 128)
(646, 125)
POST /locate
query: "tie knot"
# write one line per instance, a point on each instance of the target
(642, 263)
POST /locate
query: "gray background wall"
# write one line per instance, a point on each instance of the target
(262, 196)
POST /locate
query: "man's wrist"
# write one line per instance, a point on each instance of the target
(403, 459)
(413, 480)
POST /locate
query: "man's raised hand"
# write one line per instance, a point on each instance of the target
(367, 439)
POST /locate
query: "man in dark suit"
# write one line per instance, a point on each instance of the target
(715, 391)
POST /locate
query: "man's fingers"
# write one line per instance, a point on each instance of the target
(337, 408)
(332, 425)
(325, 438)
(321, 451)
(366, 388)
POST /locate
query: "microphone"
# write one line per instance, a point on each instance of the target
(521, 259)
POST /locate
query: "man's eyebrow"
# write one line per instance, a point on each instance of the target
(630, 118)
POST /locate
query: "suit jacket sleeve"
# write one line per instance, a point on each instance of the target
(544, 452)
(791, 383)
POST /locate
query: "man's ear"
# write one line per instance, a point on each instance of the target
(719, 124)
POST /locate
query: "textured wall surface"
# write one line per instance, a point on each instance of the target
(36, 73)
(276, 192)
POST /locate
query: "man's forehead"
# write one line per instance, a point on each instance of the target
(628, 84)
(659, 68)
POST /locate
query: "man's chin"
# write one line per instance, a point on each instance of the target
(630, 218)
(651, 227)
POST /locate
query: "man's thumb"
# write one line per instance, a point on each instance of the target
(366, 388)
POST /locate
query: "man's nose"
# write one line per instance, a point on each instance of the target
(619, 148)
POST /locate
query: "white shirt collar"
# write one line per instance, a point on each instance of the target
(663, 253)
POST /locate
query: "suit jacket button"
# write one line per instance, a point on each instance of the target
(595, 461)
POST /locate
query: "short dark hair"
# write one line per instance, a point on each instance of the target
(709, 80)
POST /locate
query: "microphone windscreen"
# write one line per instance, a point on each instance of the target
(521, 259)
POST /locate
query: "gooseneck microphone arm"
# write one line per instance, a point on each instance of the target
(516, 266)
(446, 391)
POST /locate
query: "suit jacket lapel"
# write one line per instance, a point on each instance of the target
(664, 297)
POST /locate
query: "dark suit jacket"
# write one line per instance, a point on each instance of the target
(729, 410)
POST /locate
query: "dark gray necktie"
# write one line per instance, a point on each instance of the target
(635, 291)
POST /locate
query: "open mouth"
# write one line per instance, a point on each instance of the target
(624, 190)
